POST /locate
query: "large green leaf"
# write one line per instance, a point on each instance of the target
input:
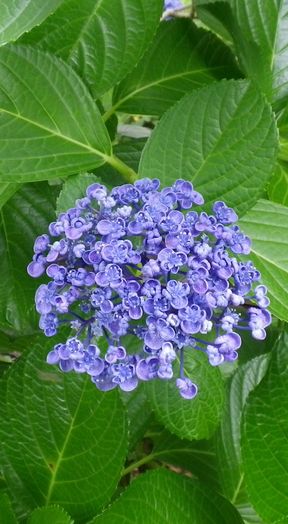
(223, 138)
(49, 124)
(260, 32)
(101, 39)
(25, 216)
(64, 441)
(278, 187)
(49, 515)
(265, 440)
(190, 419)
(161, 497)
(182, 58)
(18, 16)
(229, 462)
(267, 225)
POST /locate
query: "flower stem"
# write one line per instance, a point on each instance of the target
(137, 464)
(156, 455)
(109, 113)
(127, 172)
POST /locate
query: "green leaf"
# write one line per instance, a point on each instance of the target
(50, 515)
(64, 442)
(278, 187)
(259, 29)
(283, 142)
(267, 225)
(213, 14)
(190, 419)
(101, 39)
(18, 16)
(7, 515)
(6, 192)
(182, 58)
(161, 496)
(229, 463)
(49, 124)
(265, 440)
(208, 16)
(73, 188)
(138, 413)
(199, 457)
(223, 138)
(14, 344)
(245, 379)
(25, 216)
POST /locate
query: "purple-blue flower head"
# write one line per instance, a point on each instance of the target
(146, 265)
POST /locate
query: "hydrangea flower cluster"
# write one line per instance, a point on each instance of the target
(172, 4)
(140, 263)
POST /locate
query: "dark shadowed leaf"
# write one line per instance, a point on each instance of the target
(25, 216)
(6, 192)
(198, 457)
(213, 14)
(12, 343)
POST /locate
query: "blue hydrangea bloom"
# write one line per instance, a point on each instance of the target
(143, 262)
(172, 4)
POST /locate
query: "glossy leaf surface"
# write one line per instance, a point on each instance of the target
(222, 138)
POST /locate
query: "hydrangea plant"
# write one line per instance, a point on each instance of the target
(143, 152)
(141, 261)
